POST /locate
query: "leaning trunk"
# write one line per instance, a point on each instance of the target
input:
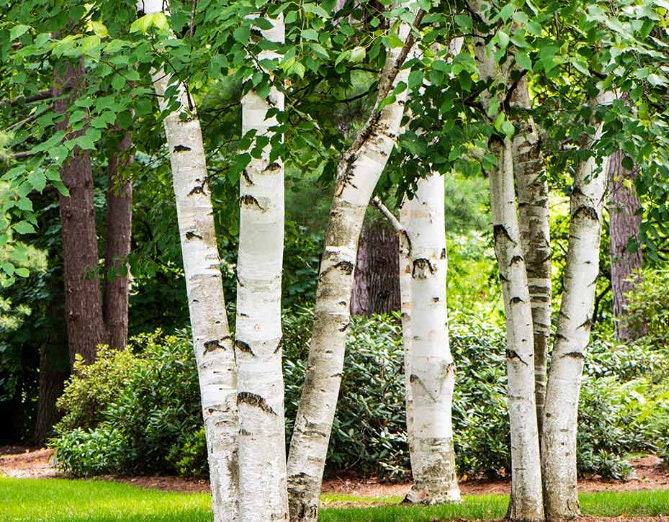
(119, 233)
(532, 188)
(83, 300)
(214, 350)
(429, 366)
(358, 173)
(262, 449)
(572, 337)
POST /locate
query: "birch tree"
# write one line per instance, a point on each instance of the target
(429, 365)
(212, 343)
(573, 335)
(357, 176)
(526, 486)
(258, 338)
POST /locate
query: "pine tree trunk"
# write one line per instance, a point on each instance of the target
(54, 367)
(212, 343)
(532, 188)
(358, 173)
(117, 248)
(625, 222)
(526, 494)
(572, 337)
(429, 366)
(83, 300)
(262, 449)
(376, 287)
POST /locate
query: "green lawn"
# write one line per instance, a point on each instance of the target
(56, 500)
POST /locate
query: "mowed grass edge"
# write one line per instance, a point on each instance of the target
(61, 500)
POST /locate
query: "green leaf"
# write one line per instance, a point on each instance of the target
(357, 54)
(23, 227)
(8, 268)
(242, 34)
(146, 22)
(310, 34)
(98, 28)
(38, 180)
(395, 41)
(17, 31)
(415, 79)
(523, 60)
(315, 9)
(22, 272)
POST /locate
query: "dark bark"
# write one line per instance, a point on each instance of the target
(376, 289)
(54, 370)
(117, 248)
(83, 300)
(624, 207)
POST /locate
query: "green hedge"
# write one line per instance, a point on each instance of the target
(138, 411)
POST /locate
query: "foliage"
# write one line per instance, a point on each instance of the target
(140, 410)
(648, 307)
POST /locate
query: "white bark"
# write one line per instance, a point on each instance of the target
(358, 173)
(526, 486)
(212, 343)
(429, 366)
(262, 451)
(532, 188)
(573, 335)
(526, 493)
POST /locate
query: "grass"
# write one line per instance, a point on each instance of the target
(55, 500)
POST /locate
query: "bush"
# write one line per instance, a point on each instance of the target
(134, 411)
(138, 412)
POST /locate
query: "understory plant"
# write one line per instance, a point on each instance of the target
(138, 411)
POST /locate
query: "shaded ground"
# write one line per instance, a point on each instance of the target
(649, 474)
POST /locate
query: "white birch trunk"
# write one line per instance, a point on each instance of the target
(260, 395)
(526, 487)
(429, 366)
(358, 174)
(526, 493)
(532, 188)
(573, 335)
(212, 343)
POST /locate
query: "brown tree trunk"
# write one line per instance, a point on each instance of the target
(625, 220)
(117, 249)
(83, 302)
(376, 289)
(54, 369)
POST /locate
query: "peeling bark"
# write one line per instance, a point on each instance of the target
(206, 304)
(532, 188)
(573, 335)
(262, 448)
(358, 173)
(429, 365)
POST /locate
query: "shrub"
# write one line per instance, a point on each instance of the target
(139, 412)
(139, 408)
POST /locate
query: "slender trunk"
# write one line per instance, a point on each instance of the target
(262, 449)
(117, 248)
(83, 300)
(526, 486)
(532, 188)
(429, 366)
(376, 288)
(526, 495)
(572, 337)
(625, 221)
(358, 173)
(212, 343)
